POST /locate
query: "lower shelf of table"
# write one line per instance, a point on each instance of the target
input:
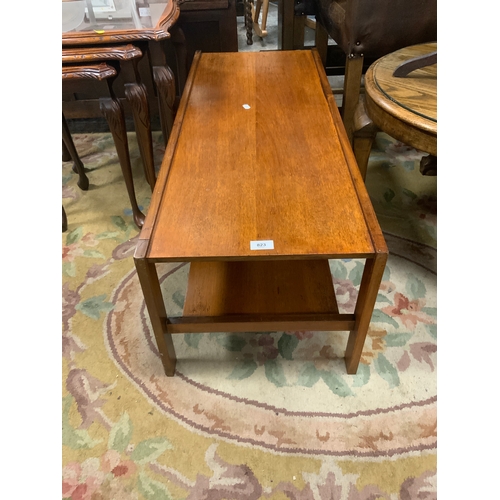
(260, 296)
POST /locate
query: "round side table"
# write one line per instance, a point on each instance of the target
(405, 107)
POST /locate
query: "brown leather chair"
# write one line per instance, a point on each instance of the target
(372, 29)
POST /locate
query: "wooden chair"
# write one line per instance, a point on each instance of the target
(98, 79)
(370, 29)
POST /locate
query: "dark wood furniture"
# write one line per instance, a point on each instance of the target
(366, 30)
(70, 153)
(209, 26)
(99, 79)
(127, 57)
(258, 203)
(152, 24)
(404, 107)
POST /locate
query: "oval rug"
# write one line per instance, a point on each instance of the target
(288, 392)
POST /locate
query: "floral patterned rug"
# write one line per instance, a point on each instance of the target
(247, 416)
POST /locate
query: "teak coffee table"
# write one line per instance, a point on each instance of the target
(257, 190)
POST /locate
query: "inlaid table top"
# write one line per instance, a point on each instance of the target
(258, 152)
(404, 107)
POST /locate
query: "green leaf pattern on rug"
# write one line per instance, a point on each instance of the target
(150, 449)
(287, 344)
(338, 269)
(275, 373)
(119, 222)
(151, 489)
(308, 376)
(75, 439)
(192, 339)
(383, 298)
(397, 339)
(178, 298)
(362, 376)
(74, 236)
(69, 269)
(379, 316)
(432, 329)
(409, 193)
(94, 306)
(389, 195)
(120, 434)
(243, 370)
(336, 384)
(415, 289)
(233, 343)
(356, 273)
(387, 370)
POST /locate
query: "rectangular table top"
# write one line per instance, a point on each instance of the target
(258, 152)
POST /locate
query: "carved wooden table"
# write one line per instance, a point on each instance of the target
(101, 75)
(404, 107)
(258, 203)
(145, 25)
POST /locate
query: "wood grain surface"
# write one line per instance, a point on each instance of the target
(275, 171)
(405, 108)
(263, 287)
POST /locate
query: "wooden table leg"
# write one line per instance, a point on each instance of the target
(137, 97)
(368, 290)
(148, 277)
(113, 112)
(83, 180)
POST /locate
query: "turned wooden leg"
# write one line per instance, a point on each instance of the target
(364, 132)
(249, 21)
(64, 221)
(368, 290)
(352, 85)
(113, 112)
(428, 165)
(137, 97)
(165, 86)
(83, 181)
(148, 277)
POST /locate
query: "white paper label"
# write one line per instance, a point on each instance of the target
(144, 11)
(262, 245)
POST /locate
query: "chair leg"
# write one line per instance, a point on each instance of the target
(352, 85)
(113, 112)
(364, 132)
(321, 41)
(83, 181)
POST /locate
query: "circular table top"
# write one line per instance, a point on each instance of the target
(404, 107)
